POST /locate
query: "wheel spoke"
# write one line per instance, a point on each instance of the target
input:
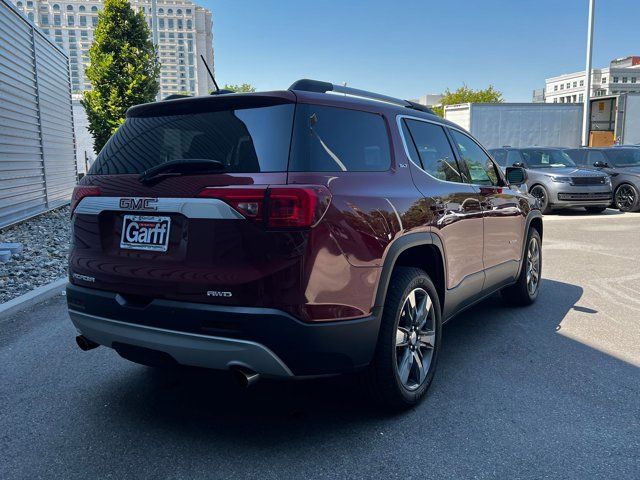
(423, 311)
(422, 372)
(427, 338)
(402, 337)
(404, 369)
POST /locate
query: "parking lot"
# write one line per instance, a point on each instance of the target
(551, 390)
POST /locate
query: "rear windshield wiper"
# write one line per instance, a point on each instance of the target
(185, 165)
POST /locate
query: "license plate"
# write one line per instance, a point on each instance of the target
(145, 233)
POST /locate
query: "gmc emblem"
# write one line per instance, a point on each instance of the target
(138, 203)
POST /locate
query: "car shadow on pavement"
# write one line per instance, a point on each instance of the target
(493, 355)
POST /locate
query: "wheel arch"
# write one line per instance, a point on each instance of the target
(534, 220)
(420, 250)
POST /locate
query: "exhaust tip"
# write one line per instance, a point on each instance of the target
(85, 344)
(244, 376)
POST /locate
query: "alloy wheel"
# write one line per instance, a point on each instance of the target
(625, 197)
(533, 266)
(540, 193)
(415, 338)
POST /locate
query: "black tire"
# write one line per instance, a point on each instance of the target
(626, 198)
(595, 209)
(520, 293)
(542, 195)
(383, 374)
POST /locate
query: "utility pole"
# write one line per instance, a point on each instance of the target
(586, 111)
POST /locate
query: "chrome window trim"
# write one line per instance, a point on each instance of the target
(209, 208)
(443, 125)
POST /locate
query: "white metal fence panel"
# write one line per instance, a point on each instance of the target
(37, 154)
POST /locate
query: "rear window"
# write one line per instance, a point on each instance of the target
(330, 139)
(247, 140)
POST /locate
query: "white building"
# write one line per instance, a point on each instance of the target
(429, 100)
(184, 33)
(621, 76)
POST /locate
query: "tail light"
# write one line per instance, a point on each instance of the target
(81, 191)
(277, 207)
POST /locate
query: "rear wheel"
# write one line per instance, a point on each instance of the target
(595, 209)
(626, 198)
(526, 289)
(409, 340)
(541, 194)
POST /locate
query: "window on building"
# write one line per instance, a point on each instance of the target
(179, 12)
(69, 8)
(604, 79)
(19, 4)
(189, 24)
(161, 22)
(82, 8)
(582, 83)
(94, 9)
(179, 24)
(44, 19)
(555, 88)
(83, 20)
(161, 11)
(562, 86)
(170, 11)
(29, 4)
(625, 79)
(633, 79)
(574, 99)
(188, 11)
(57, 20)
(555, 100)
(94, 21)
(56, 7)
(615, 79)
(568, 85)
(170, 23)
(581, 97)
(575, 84)
(71, 20)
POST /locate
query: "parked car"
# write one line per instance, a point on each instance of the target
(555, 179)
(622, 164)
(295, 233)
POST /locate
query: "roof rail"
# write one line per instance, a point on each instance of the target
(308, 85)
(174, 96)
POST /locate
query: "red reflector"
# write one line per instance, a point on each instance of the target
(81, 191)
(277, 207)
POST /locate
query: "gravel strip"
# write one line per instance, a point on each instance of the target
(45, 242)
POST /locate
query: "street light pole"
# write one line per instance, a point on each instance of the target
(586, 111)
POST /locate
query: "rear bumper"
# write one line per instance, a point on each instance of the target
(268, 341)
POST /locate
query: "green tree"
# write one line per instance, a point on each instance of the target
(244, 88)
(465, 94)
(123, 69)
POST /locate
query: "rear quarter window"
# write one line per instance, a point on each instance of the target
(331, 139)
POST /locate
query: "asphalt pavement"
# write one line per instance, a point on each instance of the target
(547, 391)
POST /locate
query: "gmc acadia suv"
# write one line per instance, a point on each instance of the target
(295, 233)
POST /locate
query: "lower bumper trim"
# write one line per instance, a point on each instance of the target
(186, 348)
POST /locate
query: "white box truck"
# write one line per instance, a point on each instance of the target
(615, 120)
(520, 124)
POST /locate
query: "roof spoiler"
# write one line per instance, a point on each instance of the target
(308, 85)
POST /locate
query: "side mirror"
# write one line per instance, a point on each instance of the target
(516, 175)
(599, 164)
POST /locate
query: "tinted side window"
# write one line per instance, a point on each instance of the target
(578, 156)
(596, 156)
(500, 156)
(481, 168)
(434, 150)
(330, 139)
(513, 157)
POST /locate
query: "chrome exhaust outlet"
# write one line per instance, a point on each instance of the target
(85, 344)
(244, 376)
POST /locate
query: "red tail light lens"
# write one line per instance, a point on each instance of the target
(277, 207)
(81, 191)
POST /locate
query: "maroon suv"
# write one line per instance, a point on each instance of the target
(295, 233)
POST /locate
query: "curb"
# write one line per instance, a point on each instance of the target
(35, 296)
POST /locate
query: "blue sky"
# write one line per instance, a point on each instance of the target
(409, 48)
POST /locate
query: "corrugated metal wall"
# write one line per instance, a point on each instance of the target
(37, 149)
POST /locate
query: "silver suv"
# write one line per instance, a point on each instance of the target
(555, 179)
